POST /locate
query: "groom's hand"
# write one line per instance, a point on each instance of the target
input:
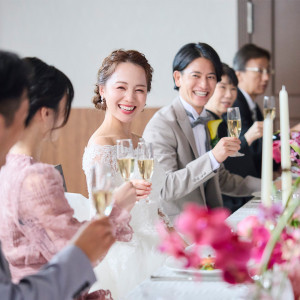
(225, 147)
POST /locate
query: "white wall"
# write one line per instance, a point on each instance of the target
(76, 35)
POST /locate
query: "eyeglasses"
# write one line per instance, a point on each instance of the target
(261, 71)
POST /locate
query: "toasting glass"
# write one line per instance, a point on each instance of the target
(269, 107)
(102, 189)
(145, 161)
(125, 158)
(234, 125)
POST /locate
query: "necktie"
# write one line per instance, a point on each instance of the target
(203, 121)
(199, 120)
(259, 116)
(254, 114)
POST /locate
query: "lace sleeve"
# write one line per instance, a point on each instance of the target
(98, 153)
(120, 219)
(106, 155)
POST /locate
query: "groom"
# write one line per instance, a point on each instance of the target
(194, 171)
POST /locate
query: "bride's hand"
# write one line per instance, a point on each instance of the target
(143, 188)
(125, 196)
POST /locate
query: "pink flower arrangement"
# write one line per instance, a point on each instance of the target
(259, 243)
(258, 230)
(295, 151)
(208, 227)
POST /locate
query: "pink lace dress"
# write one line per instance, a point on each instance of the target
(36, 219)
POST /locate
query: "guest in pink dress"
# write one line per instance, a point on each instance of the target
(36, 219)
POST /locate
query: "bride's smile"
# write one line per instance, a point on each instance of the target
(125, 91)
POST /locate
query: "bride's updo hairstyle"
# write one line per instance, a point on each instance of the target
(47, 87)
(109, 66)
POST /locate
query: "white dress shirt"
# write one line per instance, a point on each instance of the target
(251, 104)
(200, 133)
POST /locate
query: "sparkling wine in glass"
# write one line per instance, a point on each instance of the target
(102, 189)
(145, 159)
(234, 125)
(125, 158)
(269, 107)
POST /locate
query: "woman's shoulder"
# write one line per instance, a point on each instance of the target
(27, 164)
(32, 174)
(99, 140)
(99, 145)
(42, 171)
(95, 151)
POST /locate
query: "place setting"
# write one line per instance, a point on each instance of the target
(206, 270)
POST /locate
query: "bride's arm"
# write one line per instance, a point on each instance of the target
(124, 195)
(125, 198)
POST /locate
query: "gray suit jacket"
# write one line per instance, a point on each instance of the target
(171, 134)
(65, 277)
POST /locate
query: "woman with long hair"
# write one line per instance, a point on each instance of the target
(36, 219)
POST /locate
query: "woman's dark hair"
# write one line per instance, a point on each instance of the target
(48, 86)
(247, 52)
(109, 66)
(192, 51)
(14, 74)
(230, 73)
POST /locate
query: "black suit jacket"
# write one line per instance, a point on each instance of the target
(250, 164)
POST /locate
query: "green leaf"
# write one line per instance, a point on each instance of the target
(296, 148)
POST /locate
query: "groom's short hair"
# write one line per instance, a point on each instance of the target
(192, 51)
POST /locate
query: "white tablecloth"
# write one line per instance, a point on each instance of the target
(195, 290)
(249, 209)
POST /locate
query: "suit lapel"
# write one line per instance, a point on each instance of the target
(186, 127)
(185, 124)
(208, 144)
(242, 102)
(259, 113)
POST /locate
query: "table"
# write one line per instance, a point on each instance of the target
(195, 290)
(249, 209)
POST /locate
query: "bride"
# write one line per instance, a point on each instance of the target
(124, 79)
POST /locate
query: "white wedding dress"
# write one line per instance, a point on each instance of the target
(128, 263)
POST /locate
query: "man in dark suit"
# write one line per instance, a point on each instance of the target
(252, 66)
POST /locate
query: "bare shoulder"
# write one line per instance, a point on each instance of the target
(101, 140)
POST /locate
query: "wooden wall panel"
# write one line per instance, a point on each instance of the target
(69, 148)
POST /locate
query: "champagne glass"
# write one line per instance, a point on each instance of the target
(234, 125)
(145, 159)
(125, 158)
(102, 189)
(269, 107)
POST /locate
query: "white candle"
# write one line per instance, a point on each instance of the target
(286, 177)
(267, 162)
